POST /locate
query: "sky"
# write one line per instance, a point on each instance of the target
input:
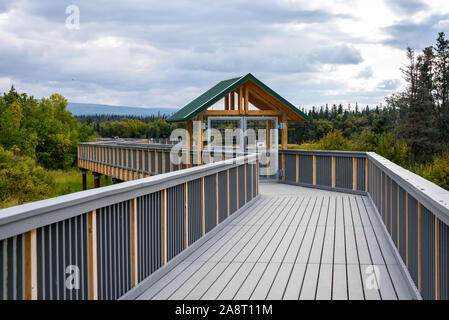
(165, 53)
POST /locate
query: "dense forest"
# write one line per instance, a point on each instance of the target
(38, 138)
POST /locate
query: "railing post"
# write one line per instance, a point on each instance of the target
(333, 171)
(297, 168)
(237, 185)
(156, 162)
(164, 226)
(134, 249)
(437, 259)
(31, 265)
(186, 213)
(203, 222)
(314, 168)
(227, 188)
(149, 160)
(366, 174)
(354, 173)
(216, 199)
(419, 247)
(93, 265)
(406, 227)
(282, 165)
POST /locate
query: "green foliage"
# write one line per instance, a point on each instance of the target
(437, 171)
(21, 179)
(396, 151)
(134, 128)
(45, 130)
(334, 141)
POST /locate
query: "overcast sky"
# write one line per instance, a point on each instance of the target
(165, 53)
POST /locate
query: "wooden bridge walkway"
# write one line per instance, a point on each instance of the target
(292, 243)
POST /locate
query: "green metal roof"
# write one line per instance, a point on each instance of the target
(219, 91)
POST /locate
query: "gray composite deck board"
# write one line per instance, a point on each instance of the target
(291, 245)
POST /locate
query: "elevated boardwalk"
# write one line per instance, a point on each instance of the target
(291, 243)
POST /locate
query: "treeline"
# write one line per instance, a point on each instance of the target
(132, 127)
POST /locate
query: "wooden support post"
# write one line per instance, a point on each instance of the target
(199, 137)
(149, 161)
(285, 136)
(385, 202)
(232, 100)
(31, 265)
(227, 186)
(333, 172)
(226, 99)
(186, 215)
(419, 249)
(391, 208)
(189, 143)
(93, 266)
(240, 97)
(297, 168)
(283, 166)
(246, 100)
(122, 164)
(97, 177)
(406, 228)
(354, 173)
(203, 221)
(134, 251)
(397, 216)
(164, 226)
(237, 185)
(84, 179)
(314, 169)
(133, 172)
(437, 259)
(366, 174)
(216, 199)
(245, 182)
(268, 144)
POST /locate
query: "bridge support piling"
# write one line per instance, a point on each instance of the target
(84, 177)
(97, 177)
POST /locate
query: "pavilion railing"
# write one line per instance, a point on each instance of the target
(415, 211)
(127, 161)
(101, 243)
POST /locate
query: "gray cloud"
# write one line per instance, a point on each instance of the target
(406, 7)
(417, 35)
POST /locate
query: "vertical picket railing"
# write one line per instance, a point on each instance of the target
(332, 170)
(100, 244)
(415, 211)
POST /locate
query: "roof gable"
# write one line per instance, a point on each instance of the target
(219, 91)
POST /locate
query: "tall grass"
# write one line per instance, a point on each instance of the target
(65, 182)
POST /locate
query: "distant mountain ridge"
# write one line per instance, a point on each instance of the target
(90, 109)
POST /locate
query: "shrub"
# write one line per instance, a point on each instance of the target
(437, 171)
(21, 179)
